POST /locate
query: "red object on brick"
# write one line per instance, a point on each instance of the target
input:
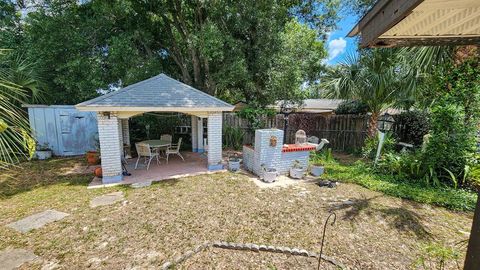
(298, 148)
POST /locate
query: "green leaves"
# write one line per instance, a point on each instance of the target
(376, 78)
(17, 85)
(249, 50)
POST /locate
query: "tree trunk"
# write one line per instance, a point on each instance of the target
(472, 260)
(372, 124)
(209, 83)
(196, 67)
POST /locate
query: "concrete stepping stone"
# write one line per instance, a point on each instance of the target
(141, 184)
(107, 199)
(37, 220)
(13, 258)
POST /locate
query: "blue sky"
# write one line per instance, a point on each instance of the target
(338, 45)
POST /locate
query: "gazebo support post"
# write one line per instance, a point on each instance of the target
(200, 147)
(194, 134)
(215, 141)
(125, 131)
(110, 136)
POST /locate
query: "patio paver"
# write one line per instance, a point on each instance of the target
(13, 258)
(107, 199)
(37, 220)
(195, 164)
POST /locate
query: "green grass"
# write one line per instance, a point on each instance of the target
(360, 174)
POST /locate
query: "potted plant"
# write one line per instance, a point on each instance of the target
(93, 157)
(297, 170)
(43, 151)
(269, 174)
(234, 163)
(317, 167)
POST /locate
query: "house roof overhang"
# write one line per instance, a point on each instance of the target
(394, 23)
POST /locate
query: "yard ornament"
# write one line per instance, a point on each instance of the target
(323, 142)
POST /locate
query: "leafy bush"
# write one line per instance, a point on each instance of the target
(351, 107)
(322, 157)
(472, 171)
(233, 137)
(362, 174)
(255, 115)
(152, 126)
(437, 256)
(369, 150)
(405, 165)
(411, 126)
(450, 144)
(474, 175)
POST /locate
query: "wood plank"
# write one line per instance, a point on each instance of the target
(391, 14)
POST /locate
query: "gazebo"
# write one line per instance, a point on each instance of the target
(157, 94)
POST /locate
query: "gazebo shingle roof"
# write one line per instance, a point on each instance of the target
(159, 91)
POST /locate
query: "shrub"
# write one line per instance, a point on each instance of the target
(437, 256)
(363, 174)
(351, 107)
(255, 115)
(411, 126)
(450, 144)
(369, 150)
(323, 156)
(405, 165)
(233, 137)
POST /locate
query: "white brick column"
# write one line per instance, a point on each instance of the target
(200, 147)
(125, 131)
(194, 134)
(215, 141)
(120, 136)
(109, 133)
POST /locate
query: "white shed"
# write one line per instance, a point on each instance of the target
(67, 131)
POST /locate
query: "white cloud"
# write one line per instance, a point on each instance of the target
(336, 47)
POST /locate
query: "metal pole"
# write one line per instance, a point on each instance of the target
(381, 139)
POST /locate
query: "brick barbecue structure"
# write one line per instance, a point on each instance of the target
(269, 152)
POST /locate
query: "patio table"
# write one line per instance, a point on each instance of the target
(156, 143)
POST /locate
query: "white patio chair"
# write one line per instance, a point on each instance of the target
(166, 137)
(174, 149)
(144, 150)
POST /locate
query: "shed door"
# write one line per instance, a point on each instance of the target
(73, 135)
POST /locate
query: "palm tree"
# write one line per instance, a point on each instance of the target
(379, 78)
(18, 84)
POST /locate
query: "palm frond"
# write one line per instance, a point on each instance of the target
(18, 85)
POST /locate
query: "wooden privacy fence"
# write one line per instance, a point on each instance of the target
(345, 132)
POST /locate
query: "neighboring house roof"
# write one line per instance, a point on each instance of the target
(419, 22)
(320, 105)
(159, 93)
